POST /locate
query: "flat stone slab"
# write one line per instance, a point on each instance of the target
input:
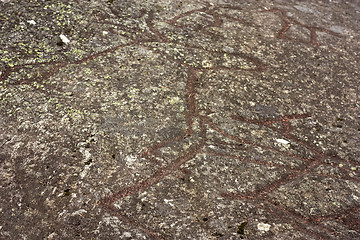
(179, 119)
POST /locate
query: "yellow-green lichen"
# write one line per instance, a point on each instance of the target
(133, 92)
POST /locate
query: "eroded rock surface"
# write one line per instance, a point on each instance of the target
(179, 119)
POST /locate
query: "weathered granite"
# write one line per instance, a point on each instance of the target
(179, 119)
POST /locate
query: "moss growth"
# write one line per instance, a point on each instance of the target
(241, 228)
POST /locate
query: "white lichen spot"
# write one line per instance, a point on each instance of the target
(86, 154)
(31, 22)
(79, 212)
(174, 100)
(52, 236)
(85, 171)
(126, 235)
(206, 64)
(263, 227)
(64, 39)
(169, 202)
(312, 210)
(338, 29)
(228, 49)
(282, 141)
(130, 159)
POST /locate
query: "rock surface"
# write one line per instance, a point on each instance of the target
(179, 119)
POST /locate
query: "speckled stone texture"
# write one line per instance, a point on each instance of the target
(179, 119)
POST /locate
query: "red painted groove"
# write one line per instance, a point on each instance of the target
(289, 21)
